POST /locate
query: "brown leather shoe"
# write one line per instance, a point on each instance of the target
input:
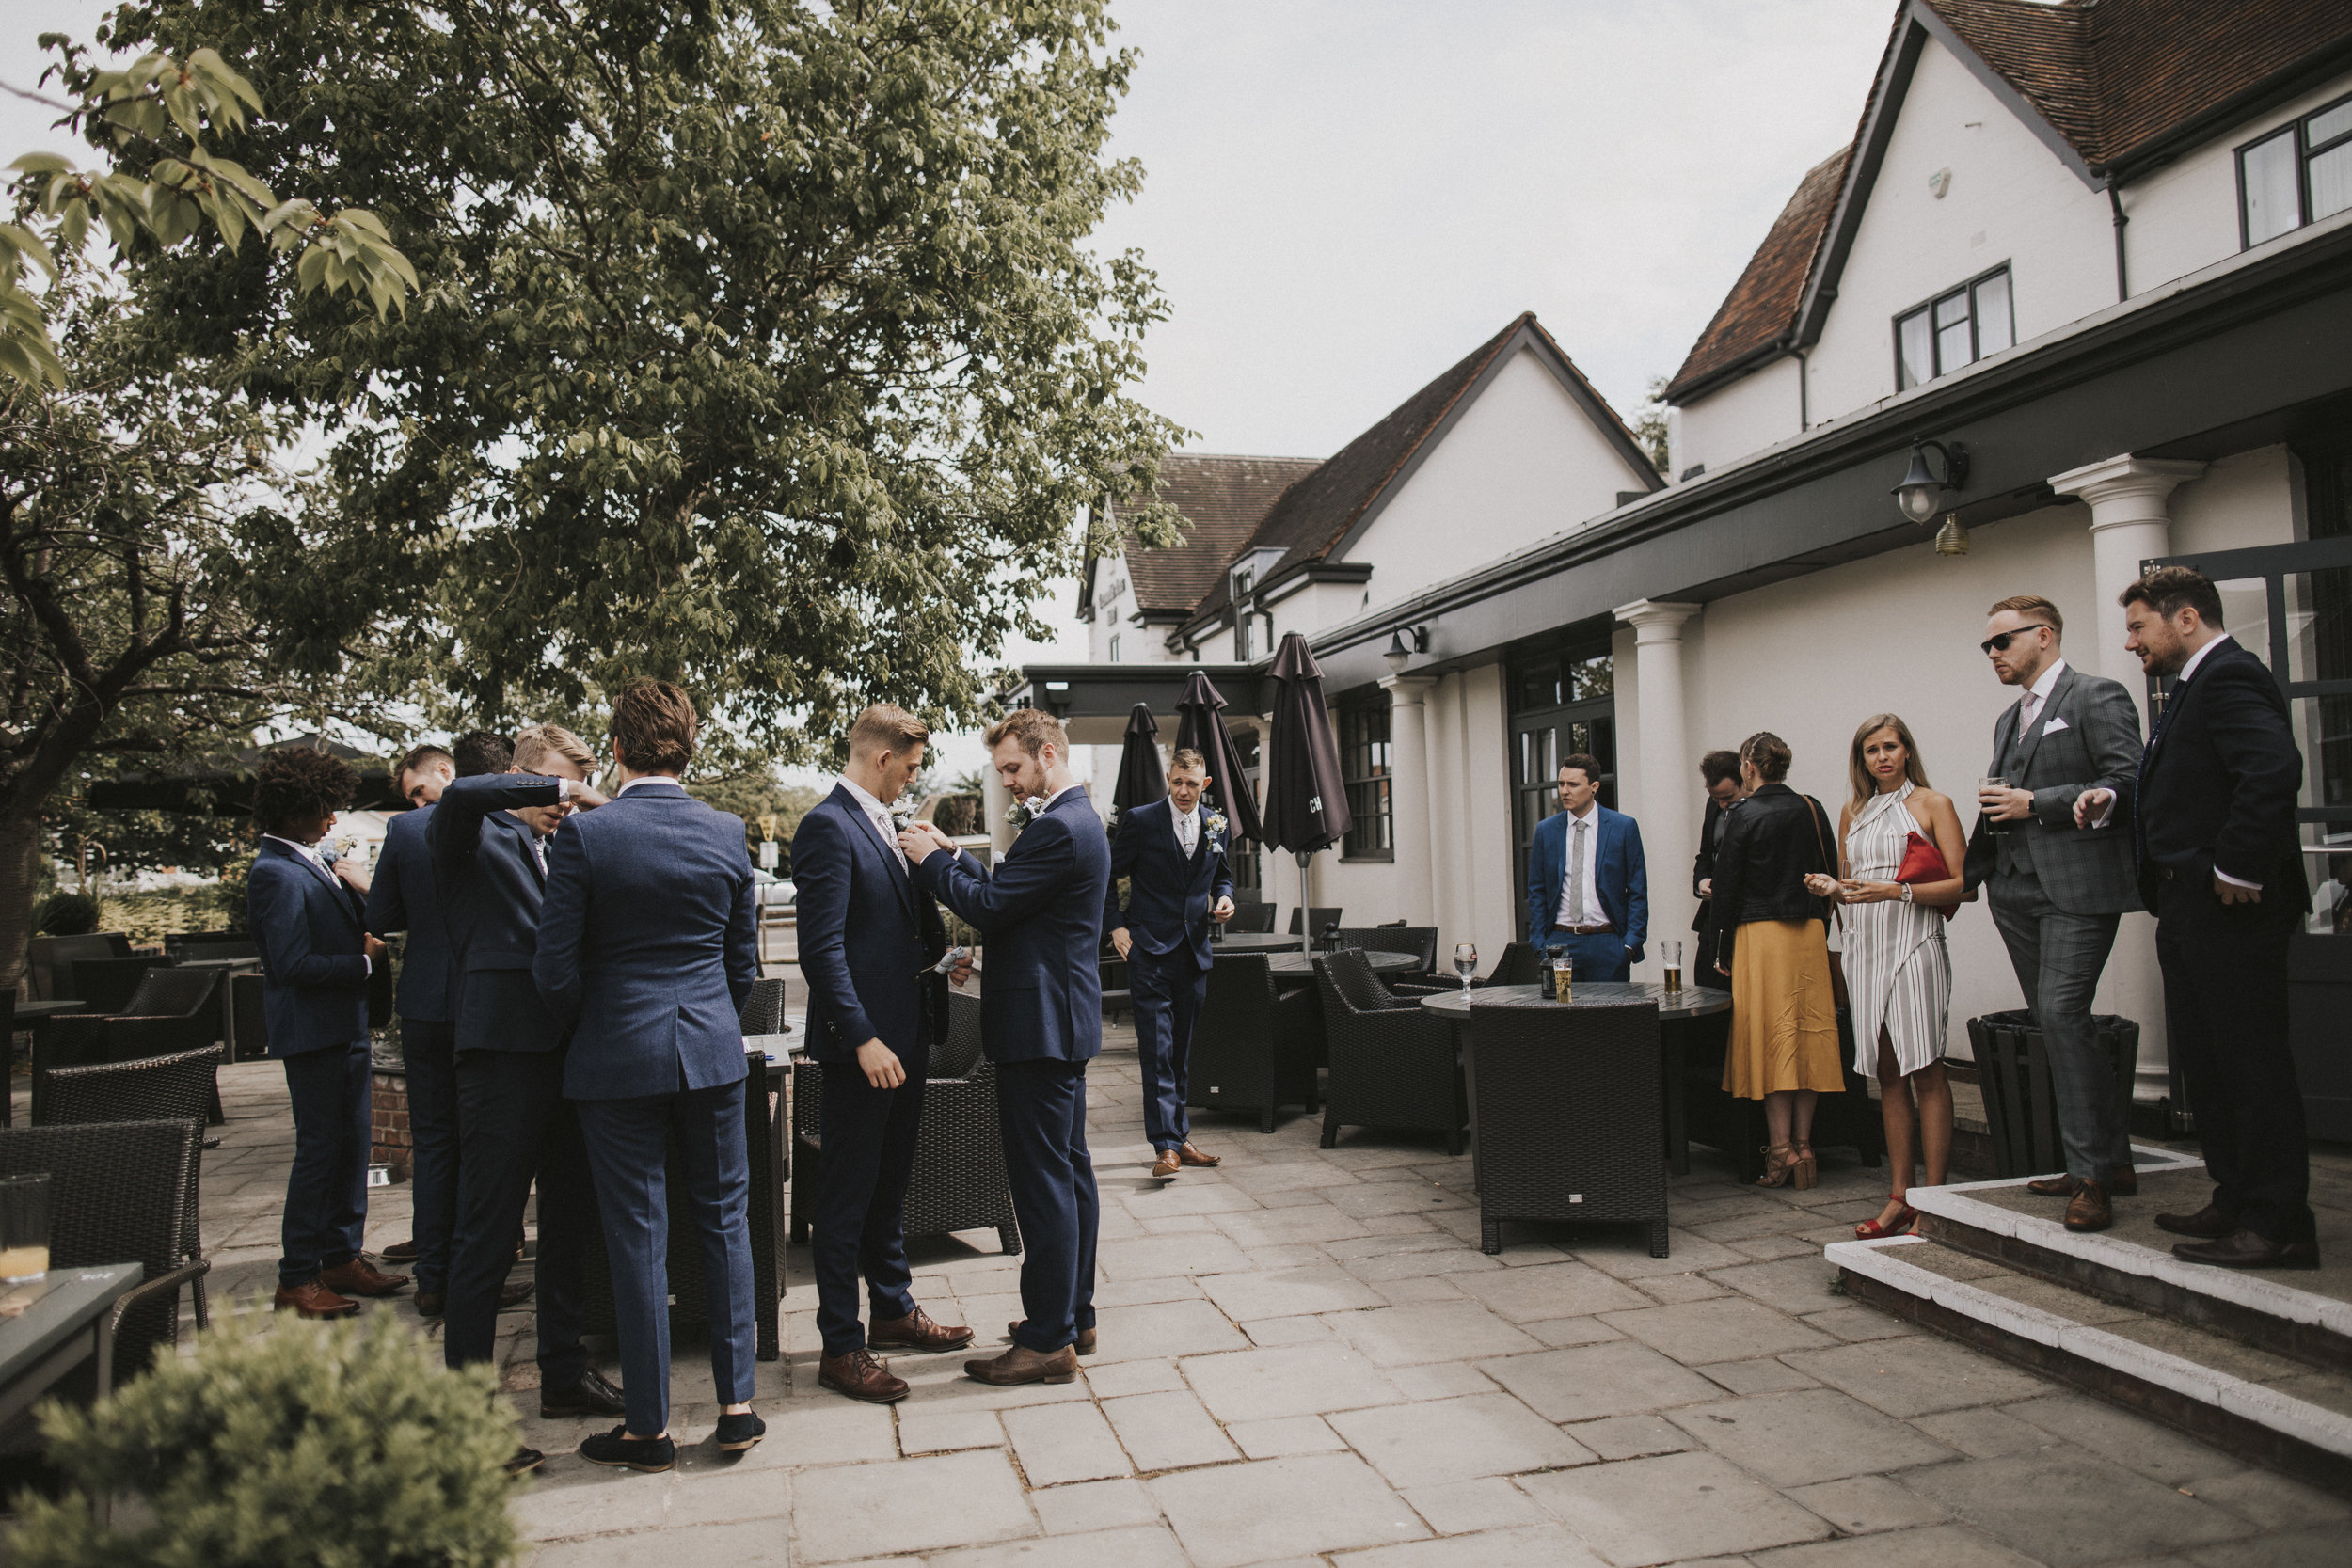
(1192, 1156)
(1166, 1165)
(400, 1252)
(2060, 1185)
(917, 1332)
(1085, 1345)
(1021, 1365)
(862, 1375)
(2246, 1250)
(2122, 1181)
(2208, 1224)
(313, 1300)
(361, 1277)
(2089, 1210)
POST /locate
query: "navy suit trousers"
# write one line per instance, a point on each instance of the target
(1168, 990)
(429, 1048)
(327, 1190)
(627, 1149)
(869, 1137)
(1598, 956)
(1041, 1113)
(512, 1126)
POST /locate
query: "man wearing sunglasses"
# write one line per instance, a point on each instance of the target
(2058, 891)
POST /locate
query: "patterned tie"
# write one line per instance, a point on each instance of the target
(1188, 833)
(539, 853)
(1576, 875)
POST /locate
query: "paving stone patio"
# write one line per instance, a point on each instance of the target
(1305, 1358)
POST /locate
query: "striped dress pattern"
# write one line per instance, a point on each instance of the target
(1898, 971)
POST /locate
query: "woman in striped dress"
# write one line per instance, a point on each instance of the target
(1898, 976)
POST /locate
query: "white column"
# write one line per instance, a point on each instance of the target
(2129, 522)
(995, 799)
(1409, 797)
(1668, 771)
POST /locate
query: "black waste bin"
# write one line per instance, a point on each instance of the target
(2014, 1071)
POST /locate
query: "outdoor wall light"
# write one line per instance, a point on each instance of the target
(1921, 493)
(1403, 643)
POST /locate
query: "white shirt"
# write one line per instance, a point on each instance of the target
(877, 814)
(1187, 830)
(642, 778)
(309, 852)
(1592, 913)
(2029, 705)
(1058, 795)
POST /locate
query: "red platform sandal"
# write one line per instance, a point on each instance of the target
(1878, 1230)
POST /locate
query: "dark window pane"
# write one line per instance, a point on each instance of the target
(1364, 751)
(1604, 747)
(1915, 351)
(2273, 205)
(1594, 676)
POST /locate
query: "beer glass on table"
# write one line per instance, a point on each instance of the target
(23, 1228)
(1670, 953)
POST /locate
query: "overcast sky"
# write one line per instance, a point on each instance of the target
(1343, 198)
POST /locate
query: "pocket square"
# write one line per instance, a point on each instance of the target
(2054, 725)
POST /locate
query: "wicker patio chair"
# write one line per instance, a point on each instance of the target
(1570, 1112)
(1394, 1063)
(958, 1181)
(1253, 1048)
(160, 1088)
(1419, 941)
(119, 1193)
(1257, 919)
(107, 985)
(1316, 920)
(1518, 966)
(763, 1010)
(174, 1010)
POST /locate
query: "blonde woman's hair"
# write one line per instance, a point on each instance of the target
(1865, 786)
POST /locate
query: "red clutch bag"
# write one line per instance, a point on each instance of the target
(1924, 862)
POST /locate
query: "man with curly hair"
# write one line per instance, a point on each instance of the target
(316, 957)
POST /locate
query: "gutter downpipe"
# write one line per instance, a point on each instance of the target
(1804, 419)
(2123, 277)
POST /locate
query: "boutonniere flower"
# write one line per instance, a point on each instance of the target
(1217, 822)
(1021, 814)
(900, 818)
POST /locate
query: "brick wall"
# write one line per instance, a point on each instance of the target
(394, 1145)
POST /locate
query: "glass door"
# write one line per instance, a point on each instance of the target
(1562, 705)
(2291, 606)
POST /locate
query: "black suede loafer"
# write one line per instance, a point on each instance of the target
(739, 1433)
(617, 1448)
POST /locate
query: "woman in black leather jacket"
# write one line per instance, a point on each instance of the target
(1774, 947)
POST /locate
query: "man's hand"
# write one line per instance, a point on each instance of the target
(961, 972)
(349, 869)
(2092, 807)
(374, 947)
(919, 841)
(585, 797)
(1223, 912)
(2006, 806)
(2230, 892)
(880, 1065)
(1707, 887)
(1121, 940)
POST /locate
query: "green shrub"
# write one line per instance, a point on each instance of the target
(67, 914)
(282, 1442)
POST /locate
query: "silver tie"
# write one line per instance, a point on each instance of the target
(1576, 876)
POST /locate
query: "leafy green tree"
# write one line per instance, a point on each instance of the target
(757, 342)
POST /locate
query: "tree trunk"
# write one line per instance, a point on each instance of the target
(20, 861)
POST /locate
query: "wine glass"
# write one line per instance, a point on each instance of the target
(1465, 961)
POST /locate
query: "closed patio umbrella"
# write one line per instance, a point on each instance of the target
(1198, 726)
(1306, 803)
(1142, 778)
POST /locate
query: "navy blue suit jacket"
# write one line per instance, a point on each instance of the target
(314, 963)
(648, 945)
(490, 888)
(402, 898)
(866, 935)
(1617, 861)
(1168, 895)
(2217, 788)
(1042, 909)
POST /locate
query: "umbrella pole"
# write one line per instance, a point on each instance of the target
(1306, 912)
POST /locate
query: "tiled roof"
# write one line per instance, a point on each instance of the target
(2113, 78)
(1762, 306)
(1224, 499)
(1316, 513)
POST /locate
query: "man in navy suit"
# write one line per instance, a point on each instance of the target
(316, 958)
(401, 898)
(1042, 1011)
(1587, 889)
(1172, 853)
(868, 940)
(488, 836)
(649, 946)
(2221, 867)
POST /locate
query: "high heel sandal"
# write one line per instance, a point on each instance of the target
(1905, 1218)
(1807, 1170)
(1780, 1161)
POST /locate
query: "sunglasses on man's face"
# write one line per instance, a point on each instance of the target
(1999, 642)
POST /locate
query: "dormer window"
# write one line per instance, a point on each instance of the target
(2295, 176)
(1954, 329)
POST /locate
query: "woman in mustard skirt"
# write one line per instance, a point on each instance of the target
(1775, 949)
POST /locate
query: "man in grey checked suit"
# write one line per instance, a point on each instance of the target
(2058, 891)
